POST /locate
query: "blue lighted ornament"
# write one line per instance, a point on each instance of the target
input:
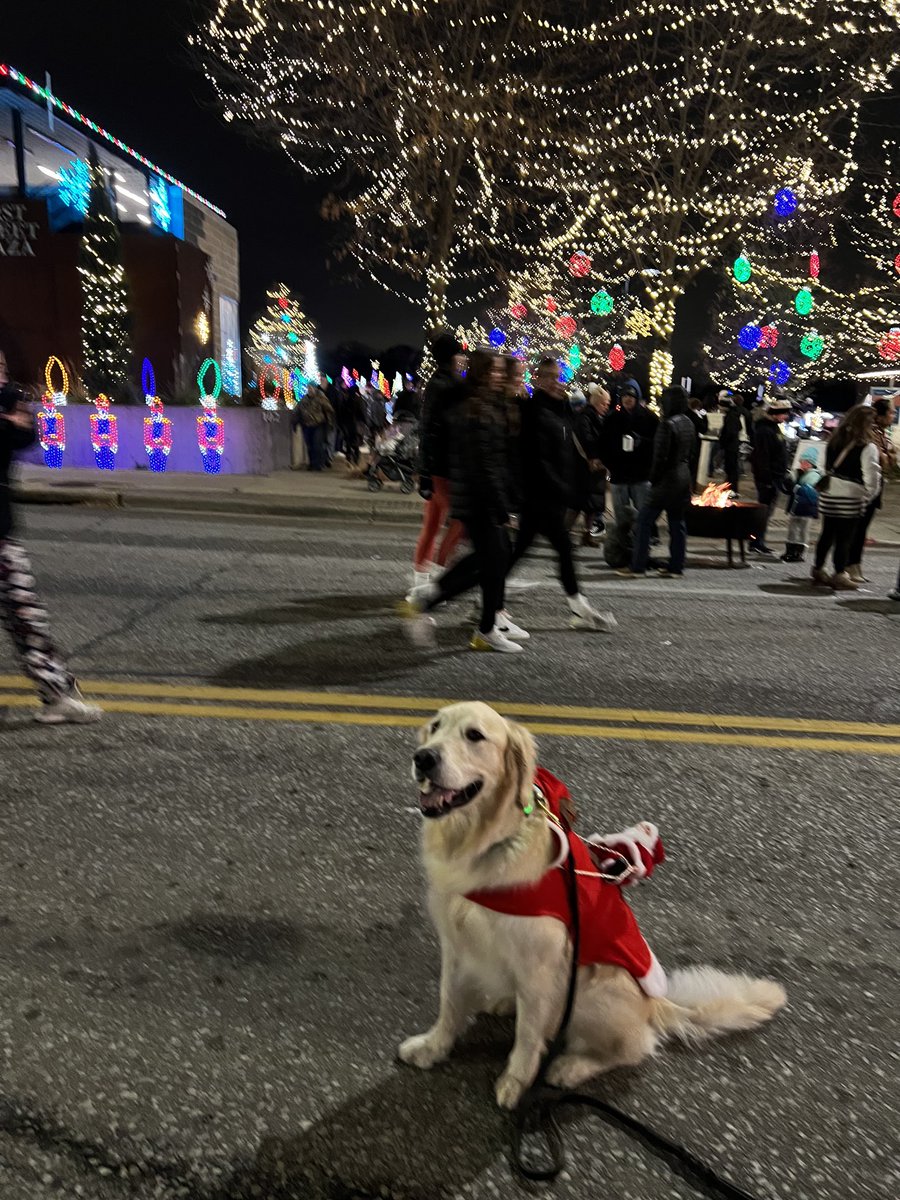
(497, 338)
(779, 372)
(286, 317)
(750, 337)
(785, 203)
(566, 374)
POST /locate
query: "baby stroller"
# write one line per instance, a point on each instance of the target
(395, 458)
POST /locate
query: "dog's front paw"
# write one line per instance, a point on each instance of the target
(423, 1051)
(509, 1090)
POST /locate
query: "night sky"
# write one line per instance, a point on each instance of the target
(125, 64)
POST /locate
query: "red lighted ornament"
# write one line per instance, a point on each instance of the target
(768, 337)
(579, 264)
(897, 205)
(519, 311)
(617, 358)
(566, 325)
(814, 264)
(889, 346)
(551, 304)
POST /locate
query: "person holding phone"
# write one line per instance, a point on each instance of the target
(21, 612)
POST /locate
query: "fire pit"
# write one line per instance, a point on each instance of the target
(717, 515)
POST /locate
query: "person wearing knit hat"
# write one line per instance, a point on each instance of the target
(802, 505)
(442, 393)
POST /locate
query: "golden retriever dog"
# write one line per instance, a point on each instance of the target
(475, 772)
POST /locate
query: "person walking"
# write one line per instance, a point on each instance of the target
(802, 505)
(674, 453)
(852, 482)
(735, 438)
(548, 471)
(480, 499)
(21, 612)
(443, 392)
(887, 456)
(627, 450)
(590, 481)
(770, 466)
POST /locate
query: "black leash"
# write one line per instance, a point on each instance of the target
(537, 1114)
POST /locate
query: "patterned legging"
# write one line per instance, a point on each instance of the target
(26, 620)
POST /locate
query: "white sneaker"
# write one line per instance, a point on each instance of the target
(507, 626)
(421, 581)
(586, 617)
(495, 641)
(68, 710)
(421, 593)
(419, 626)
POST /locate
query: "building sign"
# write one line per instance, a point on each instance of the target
(17, 234)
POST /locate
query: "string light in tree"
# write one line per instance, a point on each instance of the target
(742, 269)
(662, 367)
(104, 434)
(602, 303)
(280, 332)
(579, 265)
(616, 358)
(210, 426)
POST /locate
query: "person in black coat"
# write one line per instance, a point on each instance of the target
(770, 465)
(21, 611)
(735, 436)
(627, 450)
(549, 458)
(480, 490)
(674, 453)
(590, 470)
(443, 393)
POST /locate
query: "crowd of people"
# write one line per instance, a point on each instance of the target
(502, 464)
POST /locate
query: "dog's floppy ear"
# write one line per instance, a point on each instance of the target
(521, 761)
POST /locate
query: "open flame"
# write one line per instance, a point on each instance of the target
(715, 495)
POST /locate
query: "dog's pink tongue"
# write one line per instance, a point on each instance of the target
(437, 798)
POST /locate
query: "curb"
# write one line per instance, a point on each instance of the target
(365, 508)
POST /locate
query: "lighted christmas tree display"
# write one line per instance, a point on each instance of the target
(278, 344)
(104, 295)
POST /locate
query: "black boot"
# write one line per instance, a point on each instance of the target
(791, 552)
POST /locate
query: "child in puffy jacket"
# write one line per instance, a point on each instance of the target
(802, 505)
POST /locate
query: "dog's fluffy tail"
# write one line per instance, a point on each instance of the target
(703, 1002)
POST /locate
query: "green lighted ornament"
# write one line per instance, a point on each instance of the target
(812, 345)
(803, 302)
(575, 357)
(602, 303)
(742, 269)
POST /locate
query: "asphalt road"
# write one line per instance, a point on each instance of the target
(212, 935)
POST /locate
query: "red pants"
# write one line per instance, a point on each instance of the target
(437, 511)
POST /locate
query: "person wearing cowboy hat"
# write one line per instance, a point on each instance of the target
(770, 464)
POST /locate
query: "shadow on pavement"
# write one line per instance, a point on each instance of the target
(306, 610)
(888, 608)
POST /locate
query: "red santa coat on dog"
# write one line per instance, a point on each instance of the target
(609, 932)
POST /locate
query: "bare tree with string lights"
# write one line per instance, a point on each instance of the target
(449, 127)
(716, 113)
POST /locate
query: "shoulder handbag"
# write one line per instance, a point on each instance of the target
(824, 484)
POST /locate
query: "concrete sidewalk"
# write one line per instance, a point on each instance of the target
(338, 492)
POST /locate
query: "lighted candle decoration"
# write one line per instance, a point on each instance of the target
(269, 400)
(157, 427)
(51, 422)
(210, 427)
(104, 434)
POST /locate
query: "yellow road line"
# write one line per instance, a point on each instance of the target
(403, 720)
(428, 704)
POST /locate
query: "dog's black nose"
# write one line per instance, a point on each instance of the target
(426, 760)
